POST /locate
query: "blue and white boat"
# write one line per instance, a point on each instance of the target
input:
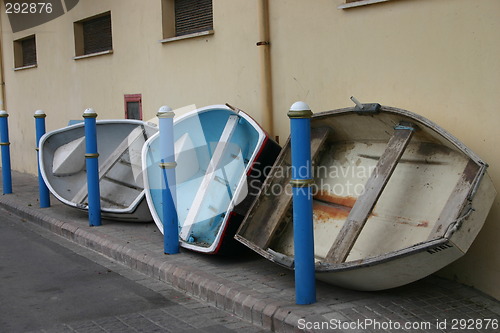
(221, 155)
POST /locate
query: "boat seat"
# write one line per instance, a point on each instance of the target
(137, 134)
(69, 158)
(276, 209)
(456, 201)
(221, 150)
(374, 187)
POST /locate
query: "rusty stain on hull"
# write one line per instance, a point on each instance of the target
(328, 197)
(324, 212)
(410, 222)
(328, 206)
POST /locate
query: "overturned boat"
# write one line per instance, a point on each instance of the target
(62, 165)
(221, 155)
(396, 198)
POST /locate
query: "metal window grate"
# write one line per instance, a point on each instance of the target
(193, 16)
(28, 47)
(97, 34)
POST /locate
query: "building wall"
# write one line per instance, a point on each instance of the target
(438, 58)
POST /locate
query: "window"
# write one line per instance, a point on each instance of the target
(93, 36)
(25, 52)
(186, 18)
(192, 16)
(133, 106)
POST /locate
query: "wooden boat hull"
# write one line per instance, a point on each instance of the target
(426, 214)
(62, 165)
(220, 156)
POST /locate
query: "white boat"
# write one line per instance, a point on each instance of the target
(62, 165)
(221, 154)
(396, 198)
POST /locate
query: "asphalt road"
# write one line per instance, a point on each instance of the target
(46, 286)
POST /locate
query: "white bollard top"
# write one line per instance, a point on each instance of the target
(165, 112)
(299, 106)
(40, 114)
(300, 110)
(89, 113)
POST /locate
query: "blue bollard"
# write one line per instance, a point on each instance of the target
(303, 234)
(92, 165)
(5, 144)
(169, 197)
(40, 131)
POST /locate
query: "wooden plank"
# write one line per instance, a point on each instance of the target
(456, 201)
(111, 160)
(367, 200)
(215, 163)
(270, 211)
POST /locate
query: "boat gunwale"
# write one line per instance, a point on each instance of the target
(325, 267)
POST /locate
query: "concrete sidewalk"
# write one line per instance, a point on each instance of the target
(255, 289)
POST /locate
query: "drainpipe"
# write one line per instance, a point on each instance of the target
(265, 66)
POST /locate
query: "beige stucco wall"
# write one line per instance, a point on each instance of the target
(438, 58)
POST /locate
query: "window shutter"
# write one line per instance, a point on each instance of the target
(193, 16)
(97, 35)
(29, 51)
